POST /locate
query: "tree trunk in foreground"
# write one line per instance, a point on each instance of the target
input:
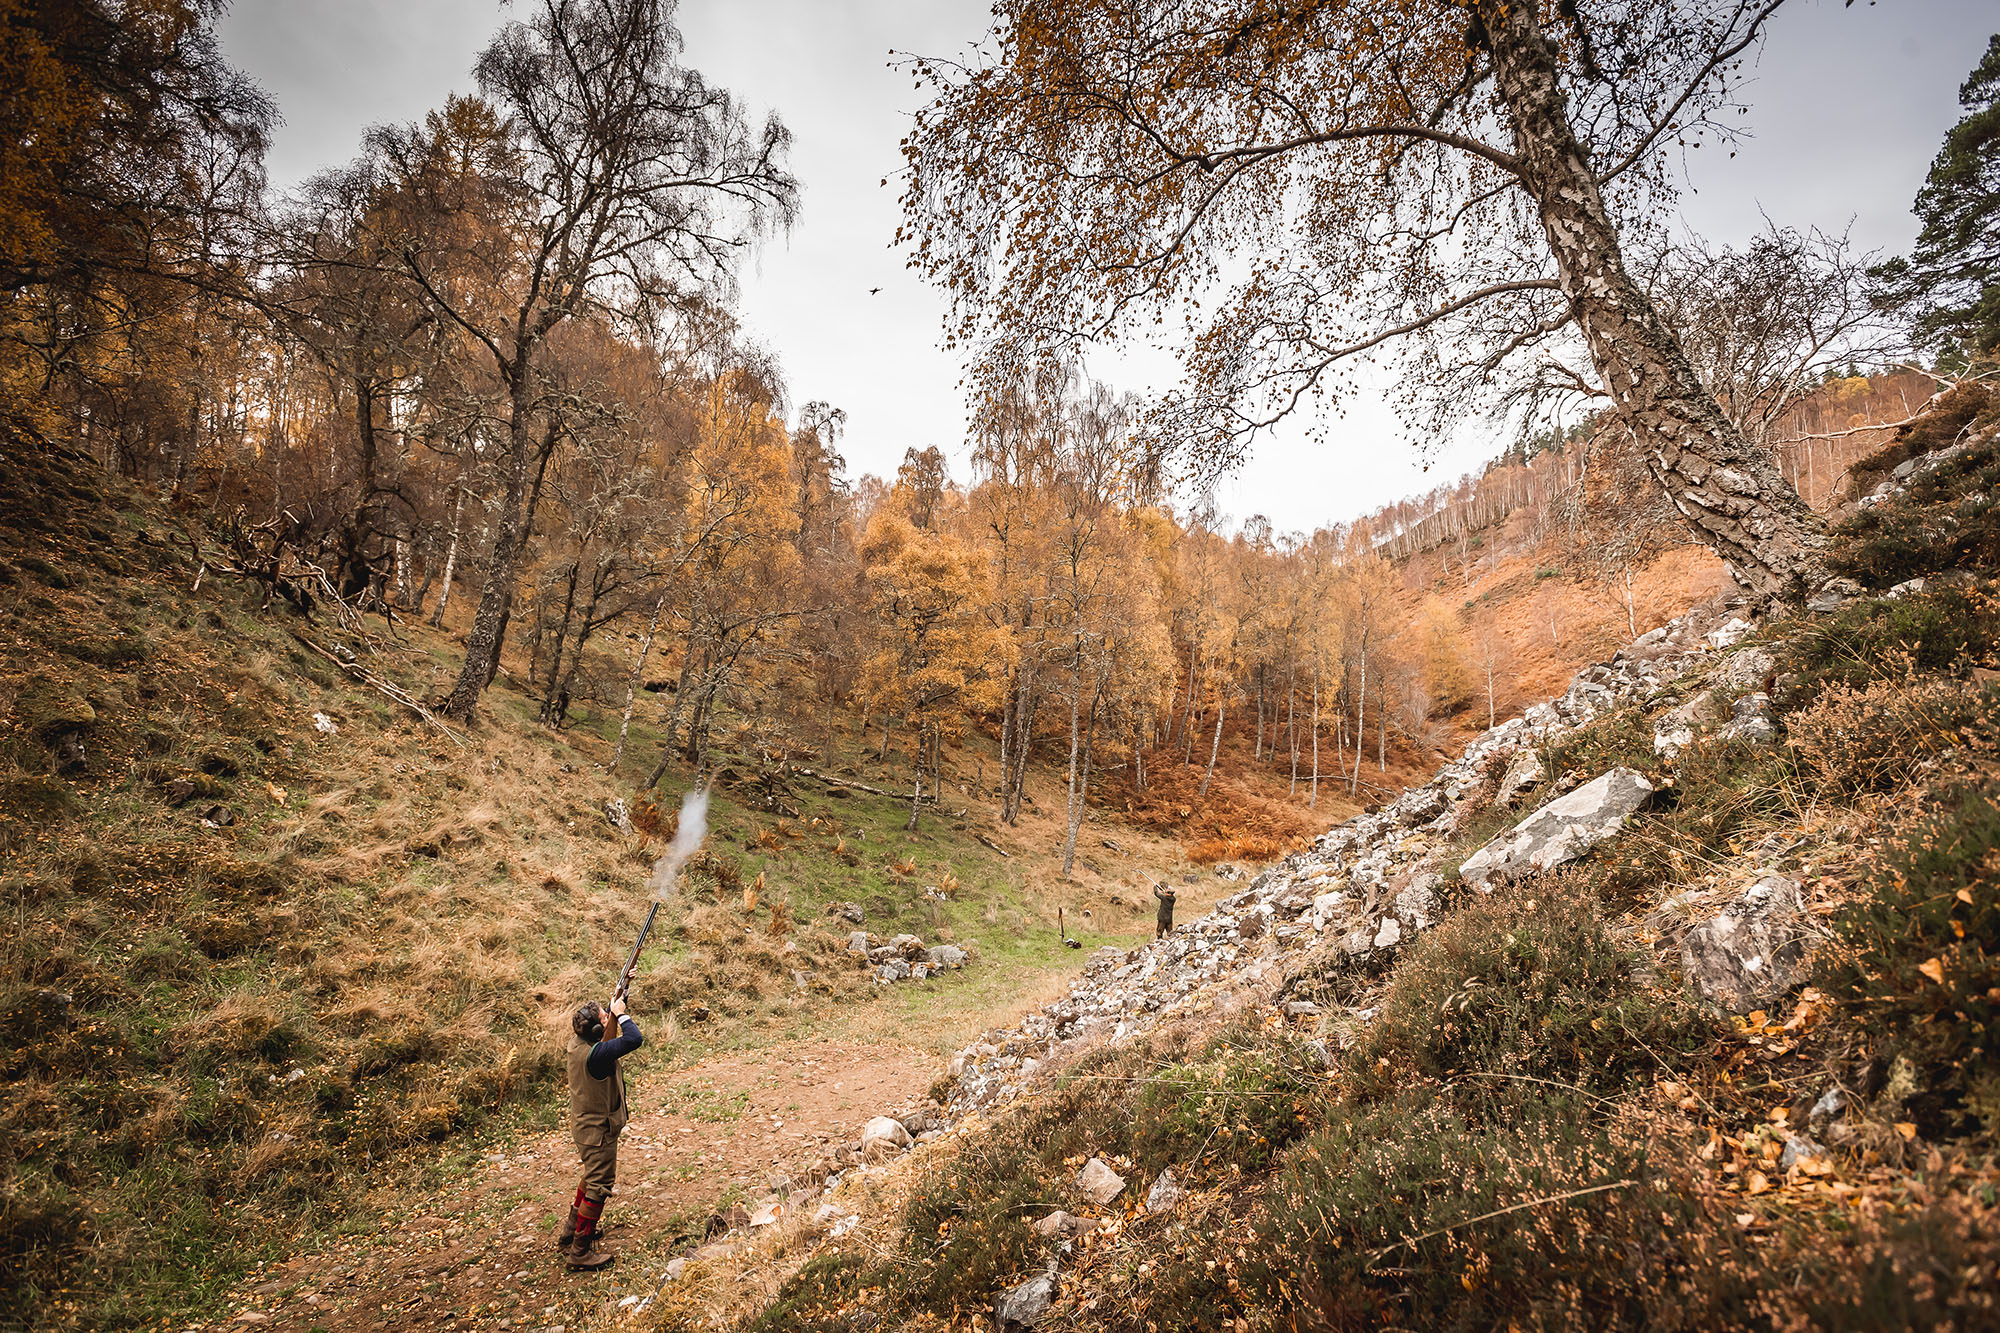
(1731, 493)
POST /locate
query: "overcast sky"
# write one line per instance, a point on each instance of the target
(1848, 107)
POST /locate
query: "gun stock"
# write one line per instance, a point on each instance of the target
(625, 974)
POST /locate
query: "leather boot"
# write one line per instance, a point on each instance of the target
(584, 1252)
(568, 1232)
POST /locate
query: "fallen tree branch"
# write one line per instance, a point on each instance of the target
(387, 689)
(985, 841)
(832, 781)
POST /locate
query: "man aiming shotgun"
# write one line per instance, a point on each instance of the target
(597, 1113)
(601, 1036)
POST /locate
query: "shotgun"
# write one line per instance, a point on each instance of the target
(625, 977)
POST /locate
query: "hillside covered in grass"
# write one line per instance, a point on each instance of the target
(273, 939)
(1731, 1067)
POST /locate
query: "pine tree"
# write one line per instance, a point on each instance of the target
(1951, 282)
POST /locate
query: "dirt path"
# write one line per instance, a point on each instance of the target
(480, 1253)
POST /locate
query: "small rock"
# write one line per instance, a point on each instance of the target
(946, 955)
(1060, 1223)
(1327, 908)
(1417, 901)
(1675, 730)
(1751, 721)
(1420, 806)
(1300, 1008)
(1832, 1104)
(767, 1213)
(616, 815)
(675, 1267)
(1525, 773)
(217, 816)
(1023, 1306)
(1904, 589)
(1832, 595)
(848, 912)
(1099, 1183)
(882, 1138)
(1752, 954)
(1165, 1194)
(1797, 1150)
(893, 970)
(1748, 668)
(1729, 633)
(1390, 935)
(325, 725)
(857, 942)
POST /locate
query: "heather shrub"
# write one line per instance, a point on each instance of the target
(1874, 738)
(1204, 1105)
(1944, 519)
(1524, 985)
(1916, 957)
(1943, 630)
(816, 1299)
(1412, 1213)
(1620, 739)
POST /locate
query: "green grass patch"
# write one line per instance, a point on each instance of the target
(1622, 739)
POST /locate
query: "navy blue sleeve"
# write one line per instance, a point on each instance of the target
(604, 1056)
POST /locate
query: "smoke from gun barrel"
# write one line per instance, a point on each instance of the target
(688, 837)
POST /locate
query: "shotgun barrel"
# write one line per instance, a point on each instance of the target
(625, 976)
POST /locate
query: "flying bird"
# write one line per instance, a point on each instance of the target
(873, 290)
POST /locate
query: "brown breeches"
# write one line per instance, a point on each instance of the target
(600, 1168)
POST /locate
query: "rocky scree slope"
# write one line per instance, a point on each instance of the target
(1370, 885)
(1663, 1005)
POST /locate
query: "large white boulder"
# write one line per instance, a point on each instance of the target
(1560, 831)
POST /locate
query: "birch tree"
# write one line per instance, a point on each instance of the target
(622, 181)
(1451, 182)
